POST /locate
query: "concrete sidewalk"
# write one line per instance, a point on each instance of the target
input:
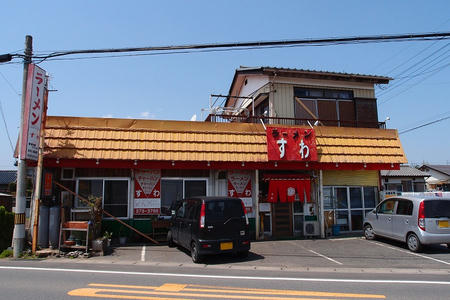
(347, 254)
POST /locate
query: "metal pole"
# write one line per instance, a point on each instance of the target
(257, 217)
(19, 217)
(321, 208)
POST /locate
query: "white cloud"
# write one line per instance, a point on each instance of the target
(145, 114)
(108, 116)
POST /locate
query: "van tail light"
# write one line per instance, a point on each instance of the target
(421, 216)
(202, 216)
(245, 212)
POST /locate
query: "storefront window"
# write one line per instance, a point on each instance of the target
(328, 198)
(370, 196)
(355, 197)
(341, 197)
(88, 188)
(116, 198)
(357, 219)
(114, 194)
(352, 204)
(173, 190)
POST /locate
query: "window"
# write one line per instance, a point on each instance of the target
(349, 205)
(405, 208)
(67, 174)
(386, 207)
(173, 190)
(331, 107)
(88, 189)
(407, 186)
(115, 199)
(114, 193)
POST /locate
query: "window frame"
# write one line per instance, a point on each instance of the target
(103, 179)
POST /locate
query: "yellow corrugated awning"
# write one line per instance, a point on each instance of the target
(154, 140)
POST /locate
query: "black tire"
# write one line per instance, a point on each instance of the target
(413, 242)
(170, 241)
(196, 257)
(368, 233)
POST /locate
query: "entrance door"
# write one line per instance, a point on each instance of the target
(281, 219)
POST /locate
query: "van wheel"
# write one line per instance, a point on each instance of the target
(413, 243)
(196, 257)
(170, 239)
(368, 233)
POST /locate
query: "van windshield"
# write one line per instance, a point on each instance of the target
(437, 208)
(223, 210)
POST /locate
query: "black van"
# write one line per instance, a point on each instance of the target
(210, 225)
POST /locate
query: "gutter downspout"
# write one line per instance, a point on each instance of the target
(257, 220)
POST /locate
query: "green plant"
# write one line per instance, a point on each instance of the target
(107, 235)
(7, 227)
(6, 253)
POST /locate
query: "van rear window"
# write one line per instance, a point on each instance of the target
(223, 210)
(437, 208)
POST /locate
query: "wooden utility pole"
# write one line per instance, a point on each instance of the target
(19, 216)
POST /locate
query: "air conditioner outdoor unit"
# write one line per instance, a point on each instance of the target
(311, 228)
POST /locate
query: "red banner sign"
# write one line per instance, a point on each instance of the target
(240, 186)
(291, 144)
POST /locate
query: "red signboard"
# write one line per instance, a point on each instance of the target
(240, 186)
(291, 144)
(147, 192)
(48, 184)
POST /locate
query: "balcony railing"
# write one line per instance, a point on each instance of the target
(226, 118)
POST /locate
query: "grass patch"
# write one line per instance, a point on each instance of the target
(6, 253)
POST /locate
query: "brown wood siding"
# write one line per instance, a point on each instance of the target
(347, 113)
(366, 112)
(327, 111)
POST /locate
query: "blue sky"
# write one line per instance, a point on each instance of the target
(178, 86)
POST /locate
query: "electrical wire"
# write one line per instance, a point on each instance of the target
(418, 69)
(423, 125)
(10, 85)
(6, 126)
(258, 44)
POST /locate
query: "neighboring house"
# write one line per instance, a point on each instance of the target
(440, 177)
(6, 178)
(407, 179)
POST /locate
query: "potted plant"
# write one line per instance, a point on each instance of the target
(122, 235)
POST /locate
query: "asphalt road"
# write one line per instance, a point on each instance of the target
(350, 268)
(35, 280)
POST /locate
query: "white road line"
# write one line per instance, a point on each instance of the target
(412, 253)
(326, 257)
(372, 281)
(143, 253)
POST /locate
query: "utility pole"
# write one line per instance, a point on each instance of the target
(19, 217)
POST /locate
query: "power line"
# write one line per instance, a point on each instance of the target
(6, 126)
(257, 44)
(10, 85)
(423, 125)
